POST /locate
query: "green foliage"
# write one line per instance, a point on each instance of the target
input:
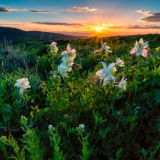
(55, 142)
(43, 65)
(86, 152)
(91, 120)
(19, 155)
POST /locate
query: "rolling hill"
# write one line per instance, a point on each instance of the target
(14, 34)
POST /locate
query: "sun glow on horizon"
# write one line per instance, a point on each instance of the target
(98, 29)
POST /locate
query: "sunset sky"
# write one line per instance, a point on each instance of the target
(83, 17)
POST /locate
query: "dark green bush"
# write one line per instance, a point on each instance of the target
(44, 66)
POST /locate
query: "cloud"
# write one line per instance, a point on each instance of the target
(149, 16)
(142, 27)
(135, 27)
(60, 24)
(154, 17)
(77, 25)
(144, 11)
(4, 9)
(104, 26)
(38, 11)
(80, 9)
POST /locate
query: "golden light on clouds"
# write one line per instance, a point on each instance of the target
(98, 29)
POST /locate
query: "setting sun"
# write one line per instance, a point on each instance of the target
(98, 29)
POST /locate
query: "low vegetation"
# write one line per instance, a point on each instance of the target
(95, 98)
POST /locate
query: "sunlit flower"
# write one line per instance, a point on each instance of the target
(69, 52)
(62, 70)
(122, 84)
(23, 84)
(53, 47)
(140, 48)
(106, 73)
(67, 61)
(104, 47)
(119, 62)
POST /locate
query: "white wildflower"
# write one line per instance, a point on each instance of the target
(23, 84)
(119, 62)
(106, 73)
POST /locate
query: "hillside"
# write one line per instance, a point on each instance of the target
(14, 34)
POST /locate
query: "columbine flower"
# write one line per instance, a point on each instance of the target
(140, 48)
(122, 84)
(23, 84)
(106, 73)
(104, 47)
(119, 62)
(67, 62)
(53, 47)
(62, 69)
(69, 52)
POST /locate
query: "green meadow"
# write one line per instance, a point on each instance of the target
(80, 104)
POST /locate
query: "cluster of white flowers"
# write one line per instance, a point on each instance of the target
(140, 48)
(104, 48)
(106, 74)
(67, 61)
(23, 84)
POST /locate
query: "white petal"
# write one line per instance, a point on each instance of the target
(144, 53)
(112, 78)
(69, 48)
(137, 53)
(133, 50)
(106, 81)
(141, 41)
(102, 45)
(73, 51)
(145, 45)
(111, 65)
(64, 53)
(101, 73)
(136, 44)
(98, 50)
(53, 43)
(104, 64)
(21, 90)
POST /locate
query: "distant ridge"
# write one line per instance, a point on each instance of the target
(14, 34)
